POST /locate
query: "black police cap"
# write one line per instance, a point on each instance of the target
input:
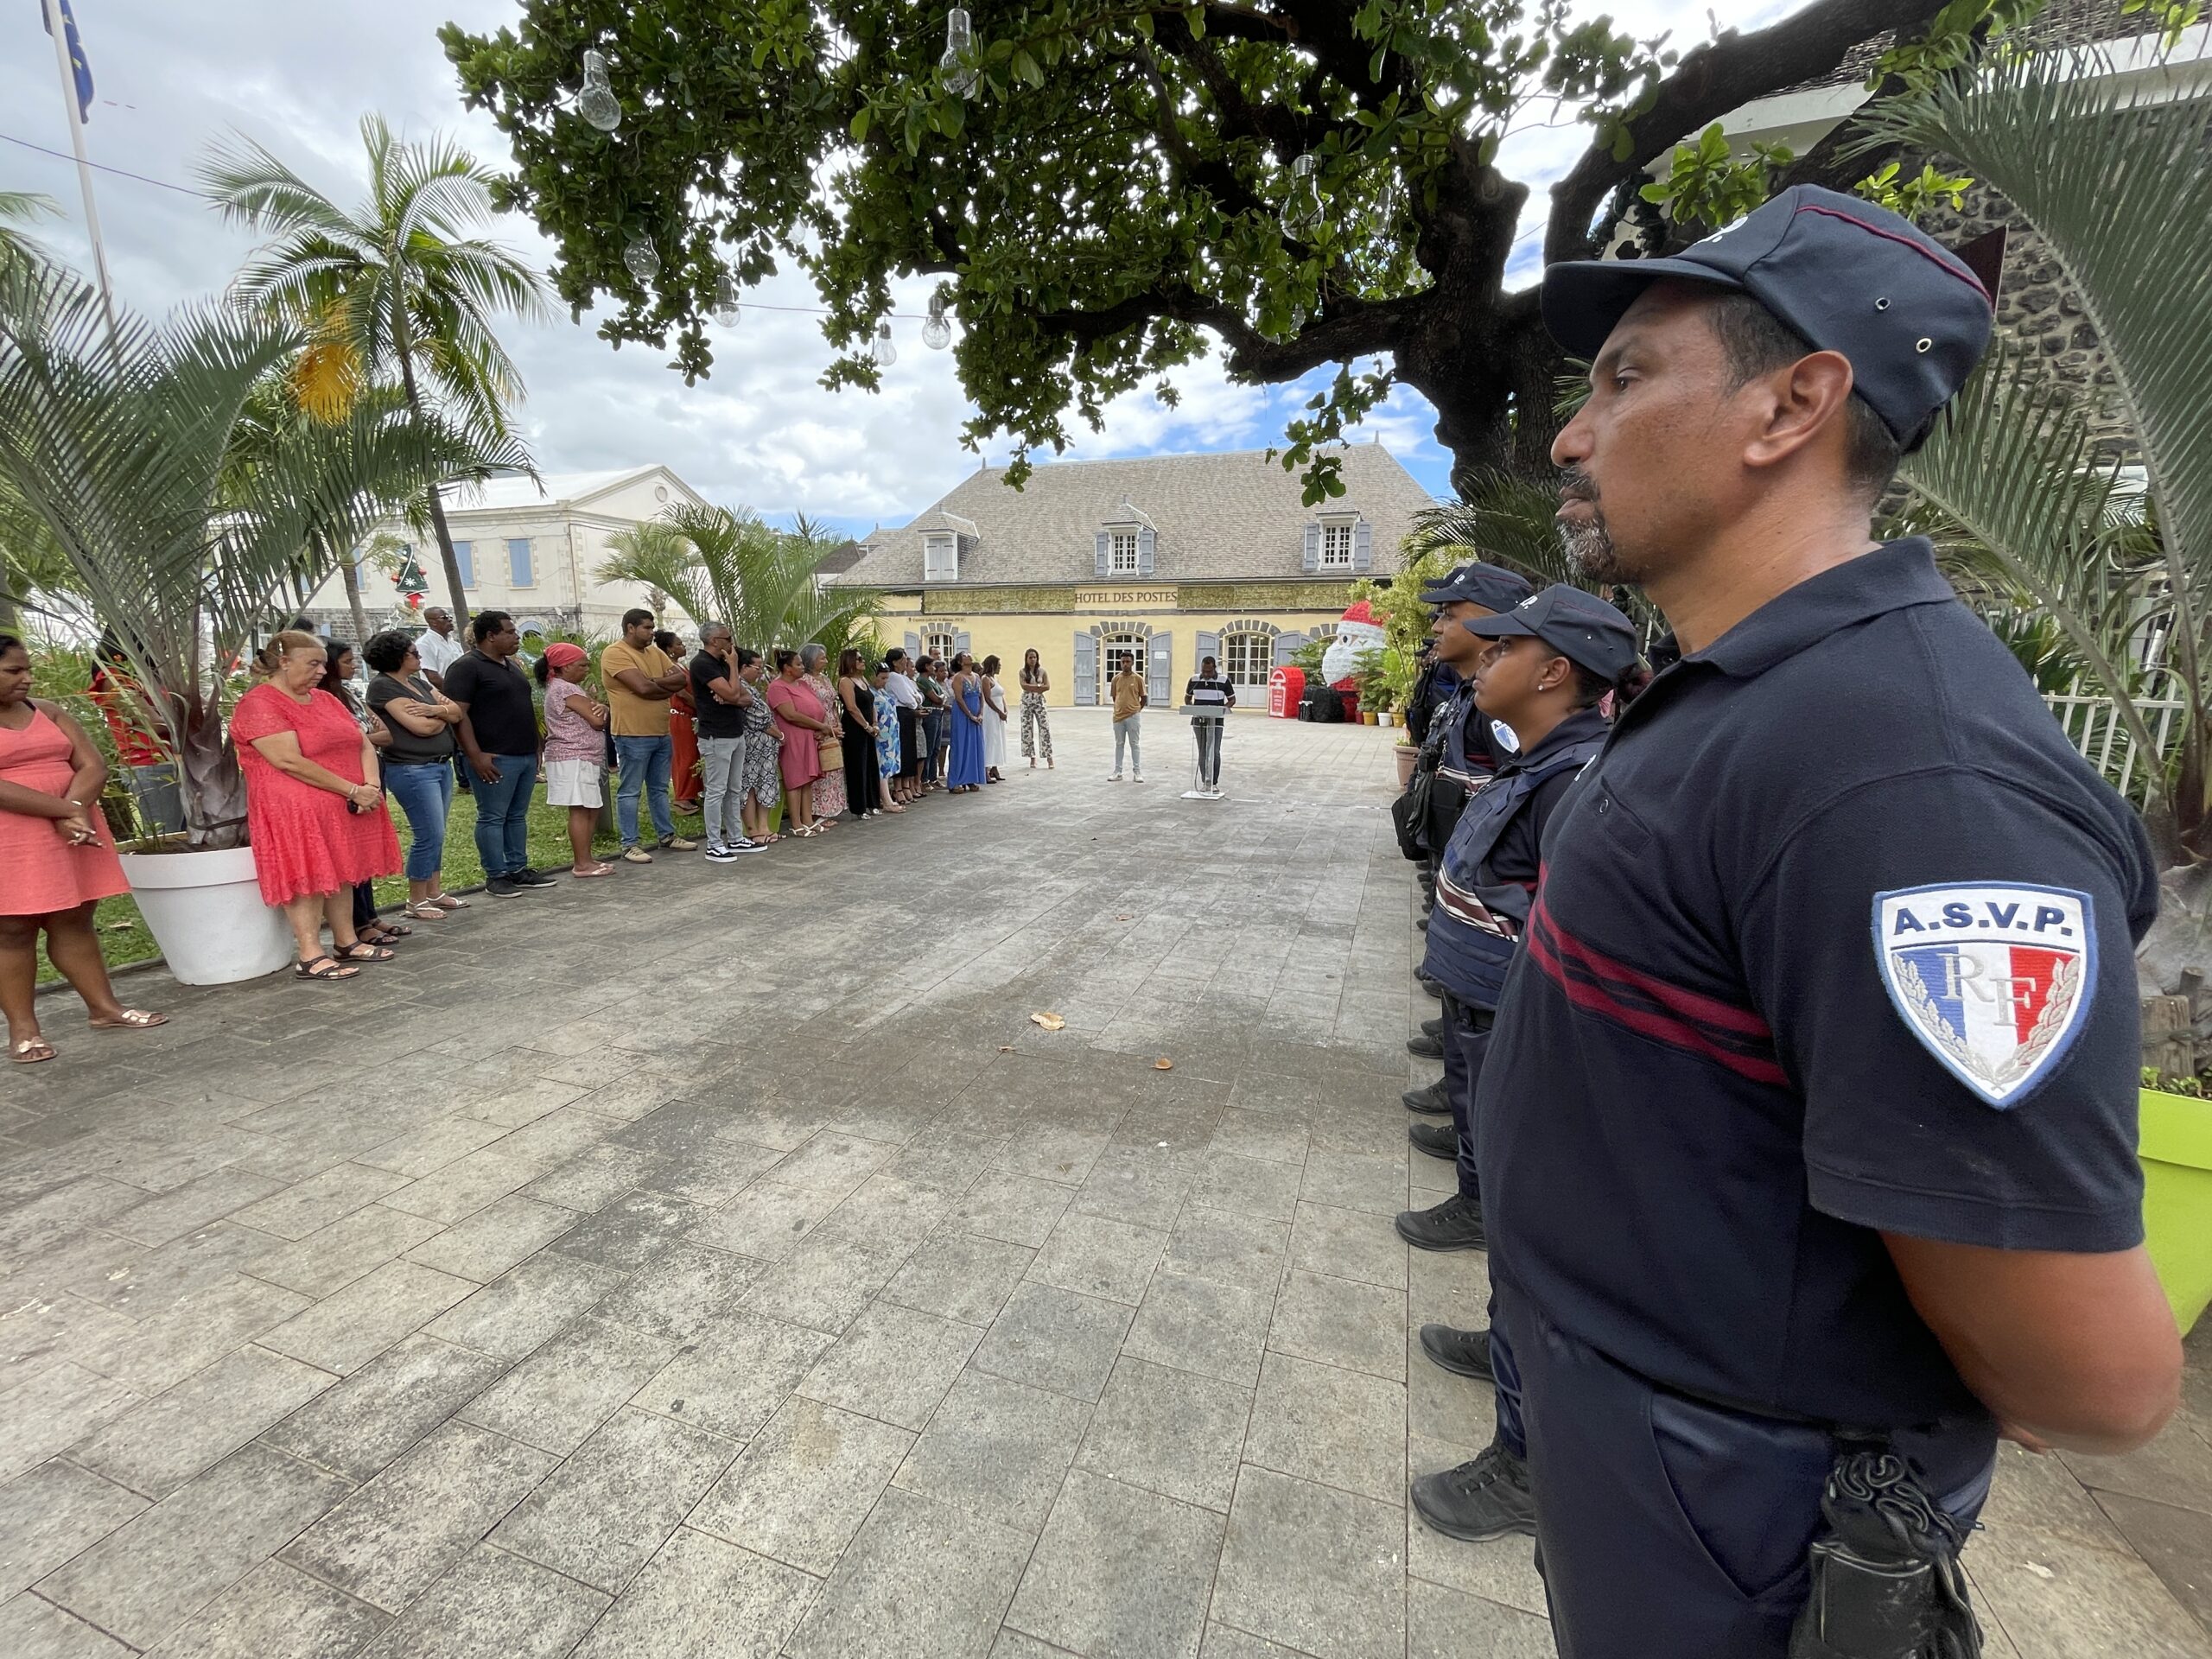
(1484, 584)
(1843, 274)
(1581, 628)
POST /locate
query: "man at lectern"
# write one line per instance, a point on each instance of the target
(1208, 689)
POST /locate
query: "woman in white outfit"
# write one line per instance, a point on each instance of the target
(993, 723)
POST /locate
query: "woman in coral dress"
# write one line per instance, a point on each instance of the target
(314, 806)
(56, 861)
(801, 718)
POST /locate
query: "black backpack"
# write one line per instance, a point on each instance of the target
(1329, 707)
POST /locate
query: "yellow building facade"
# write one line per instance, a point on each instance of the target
(1154, 562)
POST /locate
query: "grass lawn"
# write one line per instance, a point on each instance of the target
(124, 936)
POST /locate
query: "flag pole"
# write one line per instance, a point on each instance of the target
(58, 28)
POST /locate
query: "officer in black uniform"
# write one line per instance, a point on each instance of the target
(1459, 753)
(1807, 1129)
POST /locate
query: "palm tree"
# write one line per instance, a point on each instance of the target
(182, 519)
(401, 287)
(2112, 175)
(21, 207)
(719, 565)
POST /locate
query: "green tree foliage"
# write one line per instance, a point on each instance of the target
(1122, 185)
(719, 565)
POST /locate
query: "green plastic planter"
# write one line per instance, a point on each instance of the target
(2176, 1144)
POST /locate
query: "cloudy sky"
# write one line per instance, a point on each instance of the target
(761, 431)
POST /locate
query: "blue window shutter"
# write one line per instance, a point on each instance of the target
(1103, 555)
(465, 556)
(1312, 562)
(913, 646)
(520, 573)
(960, 641)
(1146, 541)
(1208, 645)
(1287, 646)
(1086, 670)
(1160, 666)
(1363, 547)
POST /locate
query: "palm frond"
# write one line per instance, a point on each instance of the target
(1500, 519)
(656, 555)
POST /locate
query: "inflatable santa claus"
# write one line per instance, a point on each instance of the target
(1357, 634)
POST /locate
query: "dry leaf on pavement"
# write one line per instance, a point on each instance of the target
(1050, 1021)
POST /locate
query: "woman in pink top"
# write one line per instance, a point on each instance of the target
(576, 751)
(56, 861)
(802, 719)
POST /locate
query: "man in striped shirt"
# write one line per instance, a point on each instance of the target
(1208, 690)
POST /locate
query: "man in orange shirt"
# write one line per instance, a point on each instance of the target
(638, 680)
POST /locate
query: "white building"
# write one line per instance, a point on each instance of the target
(531, 549)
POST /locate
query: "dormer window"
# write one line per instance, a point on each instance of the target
(1336, 544)
(940, 558)
(1122, 554)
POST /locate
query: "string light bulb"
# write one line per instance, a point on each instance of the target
(596, 103)
(1302, 206)
(726, 307)
(937, 332)
(881, 349)
(956, 70)
(642, 259)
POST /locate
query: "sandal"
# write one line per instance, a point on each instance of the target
(447, 902)
(362, 950)
(425, 910)
(324, 967)
(30, 1051)
(591, 870)
(131, 1019)
(386, 932)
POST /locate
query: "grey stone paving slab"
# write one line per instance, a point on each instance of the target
(55, 1408)
(300, 1208)
(591, 1180)
(1016, 1209)
(631, 1230)
(681, 1293)
(1202, 1325)
(2176, 1543)
(1222, 1643)
(1056, 1339)
(1246, 1187)
(361, 1427)
(430, 1148)
(344, 1333)
(33, 1629)
(521, 1309)
(960, 1276)
(1237, 1250)
(51, 1513)
(922, 1579)
(503, 1232)
(1120, 1571)
(703, 1597)
(556, 1397)
(732, 1380)
(830, 1164)
(156, 1447)
(333, 1257)
(1171, 1432)
(1315, 1569)
(895, 1363)
(803, 1486)
(1359, 1327)
(826, 1280)
(182, 1209)
(1443, 1624)
(766, 1221)
(1097, 1256)
(162, 1280)
(154, 1571)
(1348, 1243)
(388, 1541)
(277, 1612)
(1341, 1428)
(492, 1603)
(465, 1186)
(996, 1448)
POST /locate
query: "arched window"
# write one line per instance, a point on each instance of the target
(940, 642)
(1247, 659)
(1118, 653)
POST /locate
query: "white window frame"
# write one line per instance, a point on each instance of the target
(1122, 557)
(1254, 648)
(1335, 543)
(942, 643)
(941, 558)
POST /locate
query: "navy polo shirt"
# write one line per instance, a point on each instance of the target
(1836, 938)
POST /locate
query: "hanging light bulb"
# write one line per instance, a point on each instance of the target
(596, 103)
(937, 332)
(1301, 205)
(956, 70)
(883, 350)
(643, 259)
(726, 300)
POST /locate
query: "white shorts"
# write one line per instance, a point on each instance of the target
(575, 782)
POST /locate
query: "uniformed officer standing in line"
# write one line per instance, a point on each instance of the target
(1807, 1129)
(1460, 753)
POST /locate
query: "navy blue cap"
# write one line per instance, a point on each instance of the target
(1845, 275)
(1482, 584)
(1581, 628)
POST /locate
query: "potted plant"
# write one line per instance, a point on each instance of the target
(192, 501)
(2174, 1141)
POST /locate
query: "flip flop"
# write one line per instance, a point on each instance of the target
(322, 967)
(132, 1019)
(447, 902)
(594, 871)
(30, 1051)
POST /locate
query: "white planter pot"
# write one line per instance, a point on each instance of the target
(205, 912)
(1387, 717)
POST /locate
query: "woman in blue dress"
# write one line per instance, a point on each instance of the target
(886, 732)
(967, 775)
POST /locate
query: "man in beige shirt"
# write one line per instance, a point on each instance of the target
(1128, 704)
(639, 679)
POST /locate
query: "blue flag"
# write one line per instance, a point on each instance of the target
(83, 70)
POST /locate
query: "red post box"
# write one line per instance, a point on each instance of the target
(1285, 687)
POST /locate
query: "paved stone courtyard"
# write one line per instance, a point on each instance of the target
(719, 1261)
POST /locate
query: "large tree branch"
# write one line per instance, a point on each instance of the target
(1345, 329)
(1710, 81)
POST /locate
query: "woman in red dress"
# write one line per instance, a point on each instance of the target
(56, 862)
(314, 806)
(685, 781)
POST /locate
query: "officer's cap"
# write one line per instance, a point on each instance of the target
(1581, 628)
(1484, 584)
(1845, 275)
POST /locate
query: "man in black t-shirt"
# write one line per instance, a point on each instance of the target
(1208, 690)
(498, 733)
(721, 698)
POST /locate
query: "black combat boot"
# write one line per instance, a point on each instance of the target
(1487, 1497)
(1464, 1353)
(1454, 1224)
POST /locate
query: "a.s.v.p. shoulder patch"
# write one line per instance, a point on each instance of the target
(1992, 977)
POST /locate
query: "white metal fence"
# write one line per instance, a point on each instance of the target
(2092, 723)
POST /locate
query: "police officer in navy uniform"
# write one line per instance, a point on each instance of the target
(1459, 753)
(1807, 1131)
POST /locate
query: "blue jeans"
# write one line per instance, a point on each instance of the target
(644, 762)
(502, 815)
(425, 793)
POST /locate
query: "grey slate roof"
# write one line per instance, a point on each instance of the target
(1234, 516)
